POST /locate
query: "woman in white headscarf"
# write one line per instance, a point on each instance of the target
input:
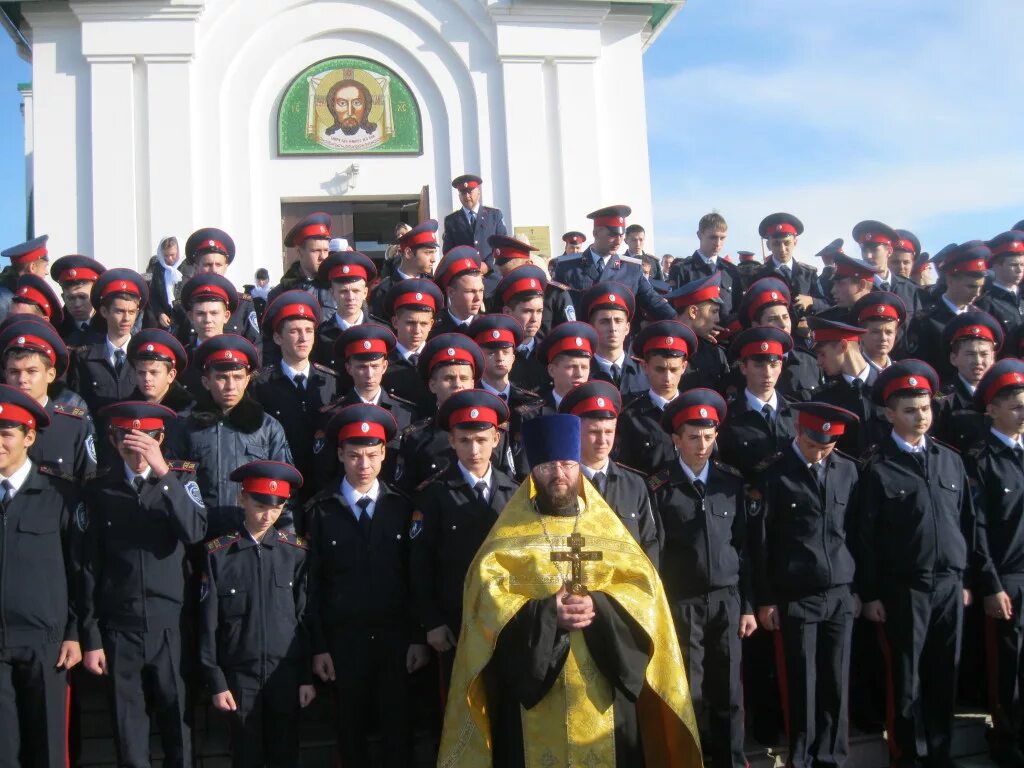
(167, 271)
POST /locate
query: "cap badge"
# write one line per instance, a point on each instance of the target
(495, 334)
(600, 402)
(579, 341)
(364, 427)
(826, 426)
(975, 330)
(419, 296)
(124, 285)
(474, 413)
(21, 340)
(880, 309)
(72, 272)
(912, 381)
(272, 485)
(149, 347)
(451, 351)
(774, 295)
(1017, 377)
(669, 341)
(229, 355)
(211, 243)
(611, 297)
(136, 424)
(703, 413)
(533, 283)
(764, 346)
(345, 269)
(366, 344)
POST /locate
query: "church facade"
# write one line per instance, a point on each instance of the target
(148, 118)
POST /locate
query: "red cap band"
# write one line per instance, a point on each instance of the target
(906, 382)
(121, 286)
(417, 298)
(974, 265)
(212, 245)
(17, 414)
(495, 336)
(610, 298)
(764, 299)
(267, 486)
(508, 252)
(227, 356)
(876, 238)
(878, 312)
(475, 413)
(526, 285)
(704, 294)
(471, 184)
(574, 239)
(695, 413)
(973, 332)
(342, 271)
(669, 343)
(818, 335)
(844, 269)
(1012, 379)
(33, 255)
(1013, 246)
(37, 344)
(36, 297)
(313, 230)
(362, 429)
(457, 267)
(294, 312)
(768, 347)
(209, 291)
(592, 404)
(904, 245)
(159, 350)
(821, 425)
(452, 355)
(570, 344)
(610, 221)
(782, 228)
(413, 239)
(366, 347)
(76, 274)
(146, 425)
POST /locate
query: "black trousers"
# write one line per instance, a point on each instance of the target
(265, 727)
(1004, 645)
(33, 707)
(817, 634)
(708, 629)
(923, 628)
(146, 676)
(372, 687)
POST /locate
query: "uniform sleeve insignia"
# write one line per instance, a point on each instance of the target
(319, 441)
(628, 468)
(762, 465)
(192, 488)
(90, 447)
(293, 539)
(216, 545)
(183, 466)
(563, 286)
(325, 370)
(204, 585)
(81, 516)
(658, 479)
(254, 321)
(570, 313)
(754, 499)
(51, 471)
(528, 409)
(78, 413)
(727, 469)
(417, 524)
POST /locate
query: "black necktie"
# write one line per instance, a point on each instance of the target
(503, 396)
(6, 498)
(118, 361)
(472, 220)
(413, 358)
(600, 482)
(1018, 453)
(138, 481)
(883, 286)
(766, 411)
(84, 326)
(364, 516)
(786, 272)
(922, 461)
(300, 381)
(481, 490)
(616, 372)
(699, 487)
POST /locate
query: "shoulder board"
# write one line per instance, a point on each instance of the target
(630, 259)
(245, 296)
(567, 257)
(76, 348)
(67, 410)
(51, 471)
(556, 284)
(379, 320)
(325, 369)
(628, 468)
(865, 458)
(417, 425)
(767, 462)
(637, 397)
(976, 450)
(293, 539)
(847, 456)
(727, 469)
(183, 466)
(264, 373)
(528, 408)
(941, 444)
(658, 479)
(422, 486)
(216, 545)
(402, 400)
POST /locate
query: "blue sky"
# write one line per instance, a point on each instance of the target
(909, 112)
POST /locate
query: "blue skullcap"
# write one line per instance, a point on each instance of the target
(555, 437)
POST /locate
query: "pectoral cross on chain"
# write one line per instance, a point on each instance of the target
(575, 556)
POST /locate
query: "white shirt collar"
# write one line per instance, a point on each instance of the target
(589, 473)
(711, 262)
(863, 375)
(111, 349)
(405, 351)
(953, 307)
(18, 478)
(702, 475)
(375, 400)
(776, 263)
(757, 404)
(606, 364)
(460, 320)
(1014, 290)
(345, 324)
(878, 279)
(466, 211)
(1005, 439)
(906, 447)
(290, 373)
(507, 391)
(660, 401)
(402, 274)
(351, 496)
(472, 479)
(528, 344)
(557, 398)
(970, 387)
(130, 475)
(876, 366)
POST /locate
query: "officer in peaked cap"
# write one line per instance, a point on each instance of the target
(418, 252)
(1001, 296)
(460, 279)
(509, 255)
(601, 263)
(211, 251)
(30, 257)
(782, 231)
(159, 360)
(311, 237)
(828, 256)
(883, 315)
(75, 275)
(410, 307)
(34, 295)
(698, 305)
(609, 308)
(852, 278)
(473, 224)
(349, 274)
(216, 299)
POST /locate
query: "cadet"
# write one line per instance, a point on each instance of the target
(760, 419)
(698, 306)
(905, 253)
(963, 268)
(411, 306)
(460, 279)
(882, 316)
(253, 645)
(852, 280)
(573, 242)
(996, 469)
(665, 348)
(33, 357)
(75, 275)
(766, 303)
(916, 540)
(705, 569)
(419, 250)
(567, 352)
(359, 611)
(348, 273)
(39, 593)
(601, 263)
(99, 372)
(227, 428)
(208, 300)
(972, 340)
(707, 259)
(33, 295)
(211, 251)
(511, 254)
(29, 258)
(295, 390)
(158, 358)
(878, 243)
(782, 231)
(142, 515)
(805, 508)
(609, 308)
(1001, 297)
(454, 511)
(522, 293)
(311, 238)
(598, 405)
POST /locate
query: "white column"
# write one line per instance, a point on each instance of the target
(27, 125)
(115, 225)
(583, 109)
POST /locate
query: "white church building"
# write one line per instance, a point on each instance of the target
(147, 118)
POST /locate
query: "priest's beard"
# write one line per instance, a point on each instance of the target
(555, 497)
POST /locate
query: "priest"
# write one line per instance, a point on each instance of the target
(567, 654)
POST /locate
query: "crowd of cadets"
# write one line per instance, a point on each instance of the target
(826, 467)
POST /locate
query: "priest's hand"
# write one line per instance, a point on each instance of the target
(416, 657)
(874, 611)
(748, 625)
(574, 611)
(323, 667)
(441, 638)
(768, 615)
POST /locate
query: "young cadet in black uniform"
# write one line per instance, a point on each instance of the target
(1001, 297)
(459, 277)
(348, 273)
(75, 275)
(567, 352)
(760, 419)
(142, 515)
(877, 244)
(698, 306)
(522, 294)
(33, 358)
(40, 573)
(420, 250)
(665, 348)
(311, 239)
(362, 630)
(766, 303)
(454, 511)
(208, 300)
(598, 405)
(511, 254)
(852, 280)
(609, 310)
(33, 295)
(253, 645)
(227, 428)
(211, 251)
(963, 269)
(707, 259)
(882, 316)
(805, 505)
(30, 257)
(410, 306)
(158, 358)
(99, 371)
(294, 390)
(916, 541)
(782, 231)
(996, 470)
(705, 569)
(972, 341)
